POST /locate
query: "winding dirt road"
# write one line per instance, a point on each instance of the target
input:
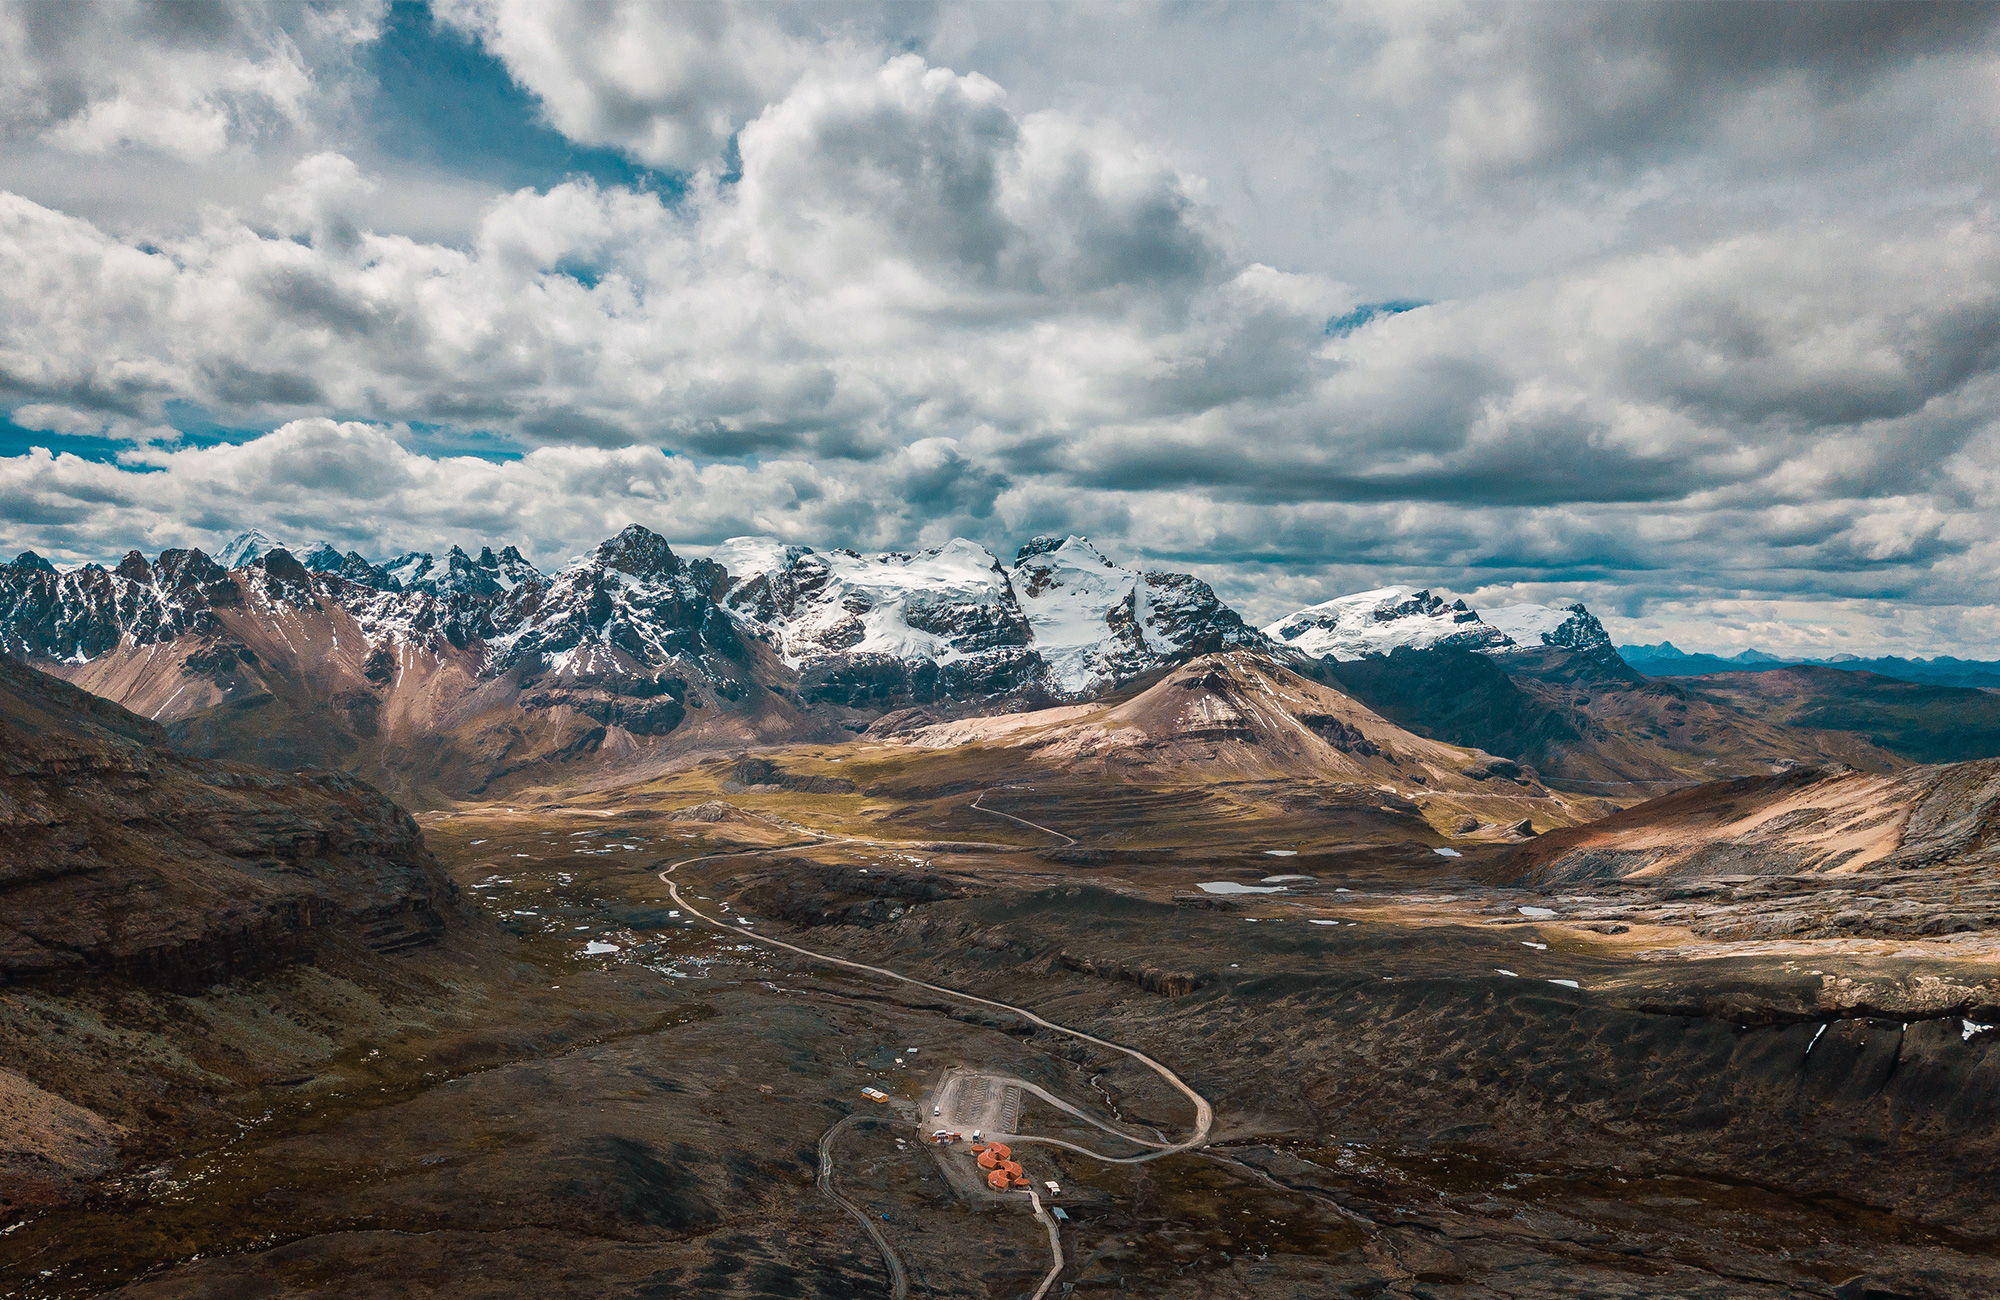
(1204, 1113)
(976, 806)
(899, 1281)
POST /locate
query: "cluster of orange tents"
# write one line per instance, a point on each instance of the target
(1002, 1173)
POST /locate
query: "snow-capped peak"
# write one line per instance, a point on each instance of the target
(1065, 618)
(1392, 618)
(1568, 627)
(1386, 619)
(247, 546)
(937, 605)
(1084, 610)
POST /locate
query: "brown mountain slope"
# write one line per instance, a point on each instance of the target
(121, 856)
(1918, 721)
(1589, 722)
(291, 685)
(1242, 717)
(1812, 853)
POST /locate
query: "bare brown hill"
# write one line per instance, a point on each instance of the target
(1242, 717)
(121, 856)
(1809, 852)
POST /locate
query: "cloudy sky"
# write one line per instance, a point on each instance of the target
(1690, 311)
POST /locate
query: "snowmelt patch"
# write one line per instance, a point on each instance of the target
(1448, 853)
(597, 948)
(1286, 880)
(1231, 887)
(1281, 853)
(1539, 913)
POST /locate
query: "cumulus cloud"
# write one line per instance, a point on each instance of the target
(184, 78)
(362, 485)
(898, 301)
(668, 84)
(900, 249)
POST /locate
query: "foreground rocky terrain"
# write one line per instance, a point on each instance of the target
(1461, 1025)
(126, 864)
(1436, 1069)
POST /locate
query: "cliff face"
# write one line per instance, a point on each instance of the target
(120, 856)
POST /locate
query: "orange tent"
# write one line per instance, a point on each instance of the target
(987, 1160)
(1009, 1168)
(998, 1180)
(1000, 1149)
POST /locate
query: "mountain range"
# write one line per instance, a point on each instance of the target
(467, 675)
(1668, 660)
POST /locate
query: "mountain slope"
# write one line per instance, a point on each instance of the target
(1807, 822)
(123, 856)
(1922, 722)
(1586, 721)
(1242, 716)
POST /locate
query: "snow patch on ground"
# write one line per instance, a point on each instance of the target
(1231, 887)
(1538, 913)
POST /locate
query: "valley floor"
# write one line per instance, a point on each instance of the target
(1422, 1084)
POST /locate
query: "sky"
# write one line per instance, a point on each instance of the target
(1687, 311)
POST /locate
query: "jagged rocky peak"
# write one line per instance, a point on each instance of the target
(80, 614)
(322, 557)
(1043, 545)
(953, 621)
(631, 604)
(1568, 627)
(487, 577)
(283, 577)
(638, 551)
(1383, 620)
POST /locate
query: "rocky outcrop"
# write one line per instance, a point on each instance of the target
(119, 856)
